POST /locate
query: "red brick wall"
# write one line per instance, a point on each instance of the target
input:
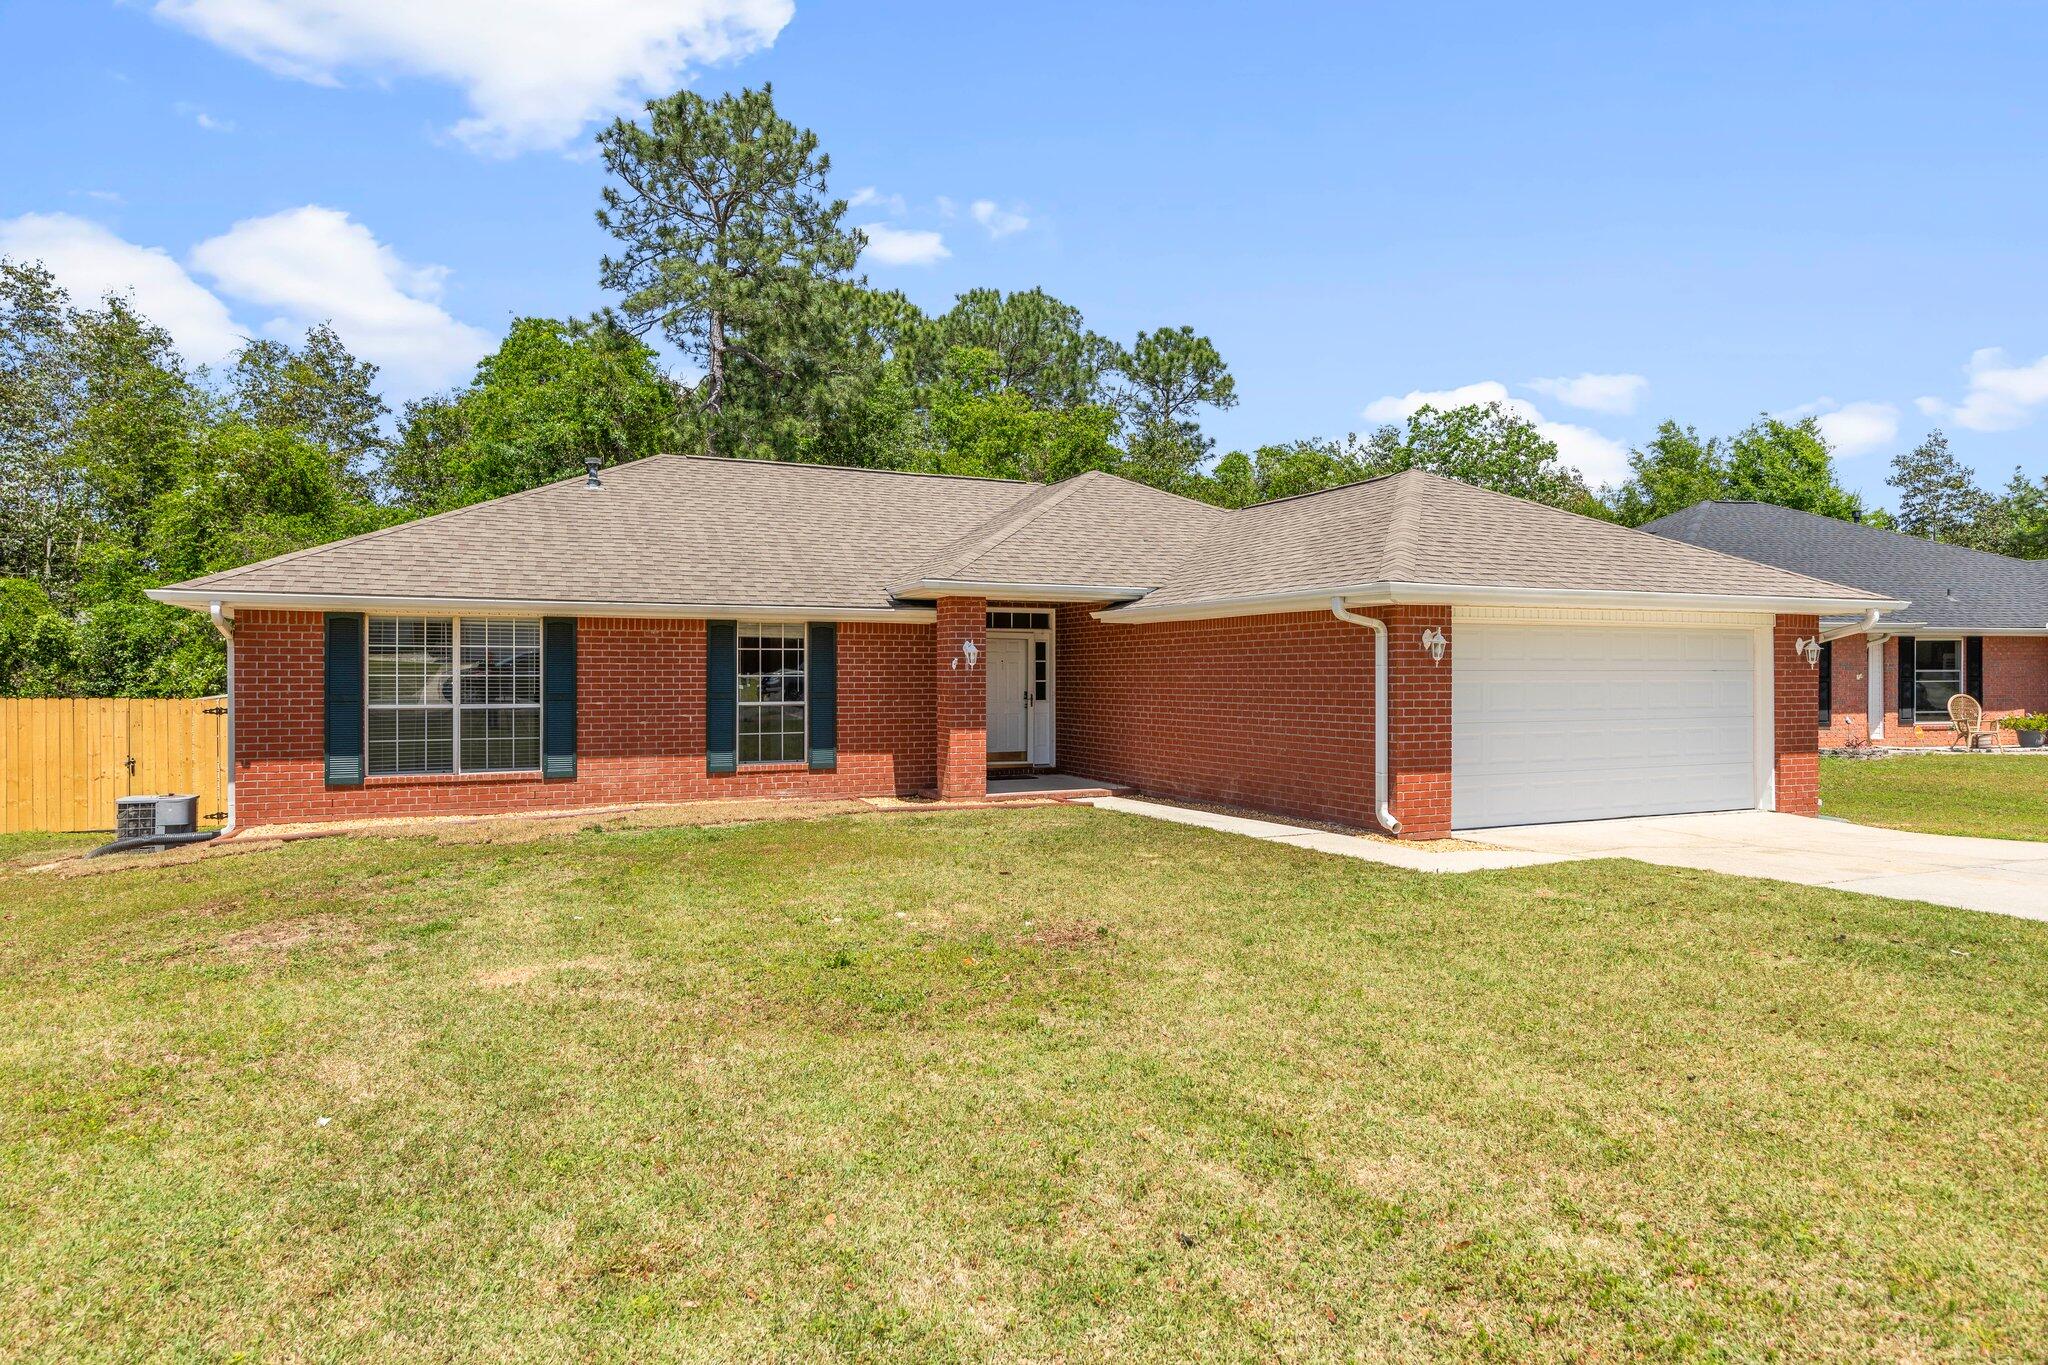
(640, 726)
(2015, 682)
(1795, 689)
(960, 688)
(1419, 715)
(1269, 712)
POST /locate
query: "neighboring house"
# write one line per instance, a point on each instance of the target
(696, 627)
(1975, 622)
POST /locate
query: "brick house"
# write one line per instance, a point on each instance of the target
(1976, 623)
(1408, 652)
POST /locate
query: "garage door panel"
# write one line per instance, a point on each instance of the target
(1562, 723)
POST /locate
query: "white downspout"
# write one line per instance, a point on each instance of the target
(1863, 627)
(224, 623)
(1379, 709)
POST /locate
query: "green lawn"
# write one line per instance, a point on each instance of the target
(1035, 1084)
(1993, 796)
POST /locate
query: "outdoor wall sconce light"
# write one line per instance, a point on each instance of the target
(1434, 641)
(1808, 650)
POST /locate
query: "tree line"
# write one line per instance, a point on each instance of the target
(123, 467)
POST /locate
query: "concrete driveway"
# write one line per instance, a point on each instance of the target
(2006, 876)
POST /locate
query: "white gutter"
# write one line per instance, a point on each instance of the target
(1379, 709)
(224, 623)
(1863, 627)
(1385, 593)
(200, 599)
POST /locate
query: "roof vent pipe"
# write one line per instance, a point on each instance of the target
(590, 479)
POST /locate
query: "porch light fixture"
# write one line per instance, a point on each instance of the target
(1434, 641)
(1808, 650)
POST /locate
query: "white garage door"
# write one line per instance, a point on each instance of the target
(1554, 723)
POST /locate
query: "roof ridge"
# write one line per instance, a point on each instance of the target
(846, 468)
(1402, 519)
(293, 556)
(1003, 525)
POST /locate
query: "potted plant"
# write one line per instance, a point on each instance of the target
(2032, 729)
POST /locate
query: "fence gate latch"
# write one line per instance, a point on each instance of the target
(131, 765)
(215, 711)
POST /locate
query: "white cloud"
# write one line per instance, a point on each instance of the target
(91, 262)
(315, 264)
(1601, 459)
(1615, 393)
(903, 246)
(1000, 222)
(867, 195)
(1859, 428)
(203, 119)
(2001, 395)
(947, 208)
(534, 72)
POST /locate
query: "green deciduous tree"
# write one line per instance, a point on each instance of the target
(320, 390)
(1670, 472)
(729, 246)
(553, 395)
(1788, 464)
(978, 426)
(1481, 444)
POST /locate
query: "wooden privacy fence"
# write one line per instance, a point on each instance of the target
(64, 761)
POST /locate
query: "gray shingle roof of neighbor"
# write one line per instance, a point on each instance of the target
(1948, 586)
(1420, 528)
(675, 532)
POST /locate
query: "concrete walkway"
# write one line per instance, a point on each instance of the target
(2005, 876)
(1414, 857)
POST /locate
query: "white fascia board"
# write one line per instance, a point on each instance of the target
(996, 591)
(202, 599)
(1466, 595)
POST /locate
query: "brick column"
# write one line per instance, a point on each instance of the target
(1795, 692)
(961, 697)
(1418, 722)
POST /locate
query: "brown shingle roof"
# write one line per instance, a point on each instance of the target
(667, 531)
(1415, 527)
(674, 532)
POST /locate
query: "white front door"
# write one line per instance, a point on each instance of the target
(1009, 711)
(1553, 723)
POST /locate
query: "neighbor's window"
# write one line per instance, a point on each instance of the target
(411, 695)
(500, 718)
(424, 713)
(771, 692)
(1937, 675)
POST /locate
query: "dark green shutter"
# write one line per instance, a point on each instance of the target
(821, 686)
(1827, 684)
(1907, 663)
(721, 700)
(1973, 667)
(558, 697)
(344, 694)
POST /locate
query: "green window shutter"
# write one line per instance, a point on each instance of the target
(344, 699)
(1907, 663)
(1973, 667)
(721, 697)
(558, 697)
(821, 685)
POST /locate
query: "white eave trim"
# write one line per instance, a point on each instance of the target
(202, 599)
(1465, 594)
(1004, 591)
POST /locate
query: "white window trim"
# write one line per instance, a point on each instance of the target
(739, 705)
(455, 768)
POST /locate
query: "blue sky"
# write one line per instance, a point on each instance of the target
(1607, 214)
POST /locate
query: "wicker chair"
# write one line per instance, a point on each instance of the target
(1968, 718)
